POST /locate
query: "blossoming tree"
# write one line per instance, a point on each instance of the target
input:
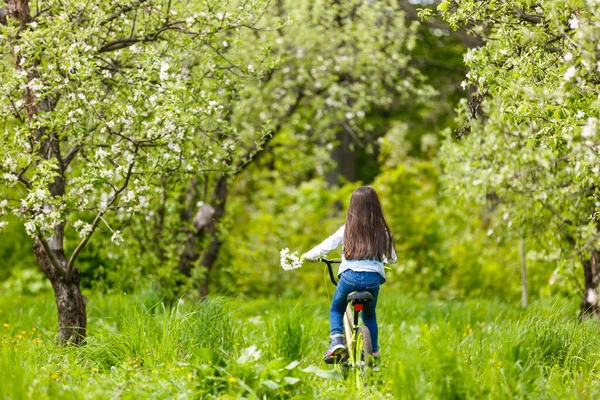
(529, 140)
(97, 100)
(330, 74)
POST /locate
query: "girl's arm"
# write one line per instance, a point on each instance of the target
(331, 243)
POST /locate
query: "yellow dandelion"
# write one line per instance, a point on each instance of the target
(232, 379)
(190, 376)
(5, 325)
(94, 369)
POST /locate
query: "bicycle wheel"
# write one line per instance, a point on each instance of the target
(363, 354)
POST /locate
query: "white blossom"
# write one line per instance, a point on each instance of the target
(570, 73)
(574, 23)
(590, 128)
(116, 238)
(469, 56)
(11, 178)
(85, 230)
(164, 71)
(30, 228)
(143, 201)
(289, 260)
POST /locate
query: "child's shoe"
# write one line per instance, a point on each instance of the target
(336, 348)
(375, 362)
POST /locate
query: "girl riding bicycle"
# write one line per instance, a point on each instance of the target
(367, 243)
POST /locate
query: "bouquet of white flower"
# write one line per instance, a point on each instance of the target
(289, 260)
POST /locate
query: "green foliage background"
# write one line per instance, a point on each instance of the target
(449, 244)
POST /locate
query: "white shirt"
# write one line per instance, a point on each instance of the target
(333, 241)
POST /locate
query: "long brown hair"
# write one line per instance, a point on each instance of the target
(366, 234)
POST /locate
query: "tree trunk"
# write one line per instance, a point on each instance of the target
(202, 220)
(210, 255)
(344, 158)
(50, 251)
(524, 299)
(69, 300)
(591, 271)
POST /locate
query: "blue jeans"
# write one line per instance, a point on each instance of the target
(349, 282)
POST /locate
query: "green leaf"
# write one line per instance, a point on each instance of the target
(323, 373)
(271, 384)
(292, 365)
(290, 380)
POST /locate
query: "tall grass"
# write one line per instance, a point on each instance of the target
(140, 348)
(159, 335)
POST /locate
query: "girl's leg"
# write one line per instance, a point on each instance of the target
(338, 307)
(369, 318)
(336, 320)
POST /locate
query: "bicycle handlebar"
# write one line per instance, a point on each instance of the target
(329, 262)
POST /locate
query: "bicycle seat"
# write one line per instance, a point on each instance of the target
(359, 297)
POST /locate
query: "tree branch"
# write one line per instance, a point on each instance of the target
(258, 147)
(70, 156)
(87, 237)
(126, 42)
(411, 14)
(51, 256)
(122, 11)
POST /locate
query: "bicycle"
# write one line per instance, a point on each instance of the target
(358, 357)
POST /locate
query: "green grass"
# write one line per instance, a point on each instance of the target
(227, 348)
